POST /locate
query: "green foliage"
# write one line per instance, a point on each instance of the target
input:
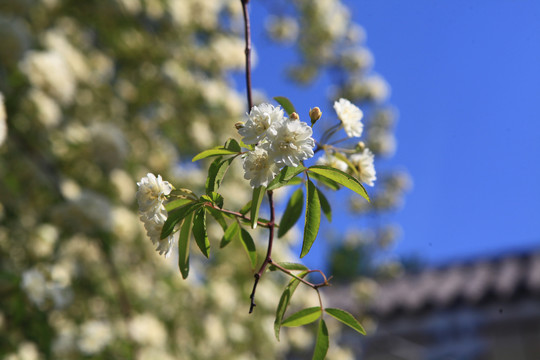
(303, 317)
(216, 172)
(287, 176)
(286, 104)
(313, 218)
(346, 318)
(322, 343)
(177, 215)
(341, 178)
(258, 195)
(249, 246)
(199, 232)
(292, 212)
(183, 245)
(284, 301)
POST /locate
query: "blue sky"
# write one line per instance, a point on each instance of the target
(465, 77)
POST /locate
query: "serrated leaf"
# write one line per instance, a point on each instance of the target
(303, 317)
(183, 246)
(341, 178)
(199, 232)
(325, 205)
(284, 302)
(213, 152)
(292, 212)
(175, 204)
(346, 318)
(325, 181)
(286, 104)
(258, 195)
(313, 218)
(177, 215)
(232, 145)
(289, 266)
(322, 343)
(249, 246)
(230, 233)
(216, 173)
(285, 176)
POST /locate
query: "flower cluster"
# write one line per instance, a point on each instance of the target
(279, 142)
(151, 194)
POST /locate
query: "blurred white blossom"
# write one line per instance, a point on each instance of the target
(94, 336)
(364, 164)
(331, 160)
(350, 116)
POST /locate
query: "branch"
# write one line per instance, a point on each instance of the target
(237, 214)
(247, 31)
(268, 258)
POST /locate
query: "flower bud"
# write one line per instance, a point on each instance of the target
(294, 116)
(360, 146)
(315, 114)
(239, 125)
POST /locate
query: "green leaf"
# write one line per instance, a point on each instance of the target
(313, 218)
(216, 173)
(199, 232)
(346, 160)
(177, 215)
(292, 212)
(213, 152)
(249, 246)
(286, 104)
(284, 302)
(289, 266)
(303, 317)
(285, 176)
(175, 204)
(341, 178)
(325, 181)
(232, 145)
(214, 198)
(346, 318)
(325, 206)
(245, 209)
(258, 195)
(230, 233)
(322, 343)
(183, 246)
(218, 216)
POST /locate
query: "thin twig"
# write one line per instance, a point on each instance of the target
(237, 214)
(268, 258)
(247, 33)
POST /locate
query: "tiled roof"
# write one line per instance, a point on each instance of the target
(472, 282)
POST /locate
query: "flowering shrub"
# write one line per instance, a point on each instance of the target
(274, 149)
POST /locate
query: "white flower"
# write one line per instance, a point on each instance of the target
(151, 194)
(330, 160)
(290, 142)
(364, 164)
(350, 116)
(153, 226)
(95, 335)
(259, 168)
(260, 119)
(35, 286)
